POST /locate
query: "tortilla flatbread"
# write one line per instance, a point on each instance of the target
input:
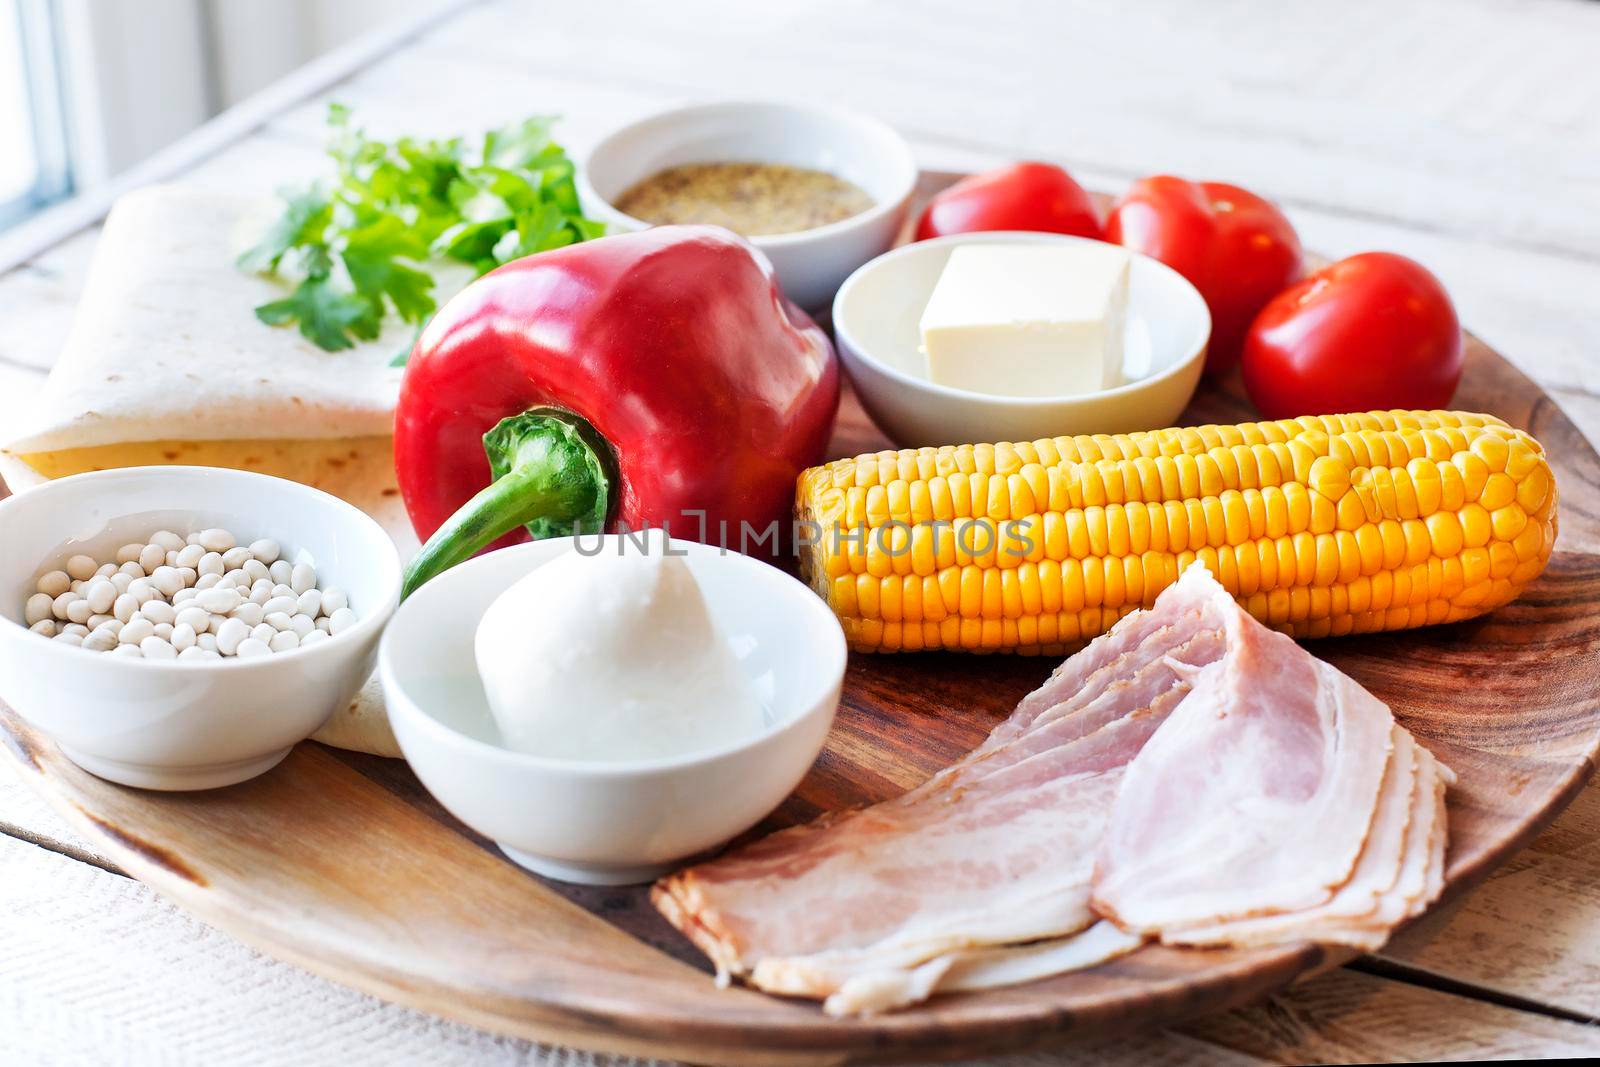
(167, 363)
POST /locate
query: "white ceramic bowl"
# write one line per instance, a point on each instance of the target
(195, 725)
(610, 823)
(810, 264)
(875, 322)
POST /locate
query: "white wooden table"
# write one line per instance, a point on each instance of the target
(1465, 133)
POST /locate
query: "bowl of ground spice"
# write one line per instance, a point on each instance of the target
(819, 190)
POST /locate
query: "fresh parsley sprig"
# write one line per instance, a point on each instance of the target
(356, 246)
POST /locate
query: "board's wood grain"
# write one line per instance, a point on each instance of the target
(1347, 1017)
(343, 864)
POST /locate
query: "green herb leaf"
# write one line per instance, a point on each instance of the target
(392, 207)
(326, 317)
(305, 218)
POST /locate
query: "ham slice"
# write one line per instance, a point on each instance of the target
(1280, 802)
(1190, 776)
(878, 907)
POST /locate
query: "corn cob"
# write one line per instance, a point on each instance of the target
(1319, 525)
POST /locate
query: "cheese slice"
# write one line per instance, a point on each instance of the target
(1032, 320)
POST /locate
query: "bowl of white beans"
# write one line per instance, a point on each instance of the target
(183, 627)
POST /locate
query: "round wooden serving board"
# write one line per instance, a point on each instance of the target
(343, 864)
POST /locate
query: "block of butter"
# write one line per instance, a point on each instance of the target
(1028, 319)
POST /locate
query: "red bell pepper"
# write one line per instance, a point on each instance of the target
(650, 379)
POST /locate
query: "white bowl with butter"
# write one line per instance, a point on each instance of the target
(878, 319)
(582, 817)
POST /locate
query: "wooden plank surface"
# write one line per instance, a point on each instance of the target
(1489, 167)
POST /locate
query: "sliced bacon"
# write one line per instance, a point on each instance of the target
(1190, 775)
(996, 850)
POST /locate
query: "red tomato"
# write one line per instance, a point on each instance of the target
(1023, 196)
(1236, 248)
(1371, 332)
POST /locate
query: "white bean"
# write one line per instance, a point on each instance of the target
(302, 578)
(263, 632)
(250, 613)
(132, 570)
(130, 651)
(75, 628)
(198, 618)
(192, 539)
(333, 599)
(288, 605)
(250, 647)
(341, 620)
(261, 592)
(79, 611)
(206, 641)
(279, 621)
(59, 606)
(190, 556)
(155, 648)
(78, 585)
(136, 630)
(284, 640)
(285, 590)
(322, 624)
(105, 570)
(211, 563)
(44, 626)
(183, 596)
(164, 631)
(82, 567)
(100, 641)
(189, 576)
(226, 582)
(172, 558)
(141, 589)
(303, 624)
(257, 571)
(158, 611)
(235, 557)
(168, 540)
(214, 621)
(207, 581)
(68, 639)
(129, 553)
(220, 601)
(167, 580)
(310, 603)
(239, 578)
(281, 570)
(54, 583)
(101, 594)
(97, 621)
(183, 636)
(266, 550)
(313, 637)
(229, 634)
(125, 607)
(192, 652)
(40, 606)
(217, 539)
(121, 581)
(151, 557)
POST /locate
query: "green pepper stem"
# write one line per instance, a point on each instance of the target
(553, 473)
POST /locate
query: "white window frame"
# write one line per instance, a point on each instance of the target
(38, 33)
